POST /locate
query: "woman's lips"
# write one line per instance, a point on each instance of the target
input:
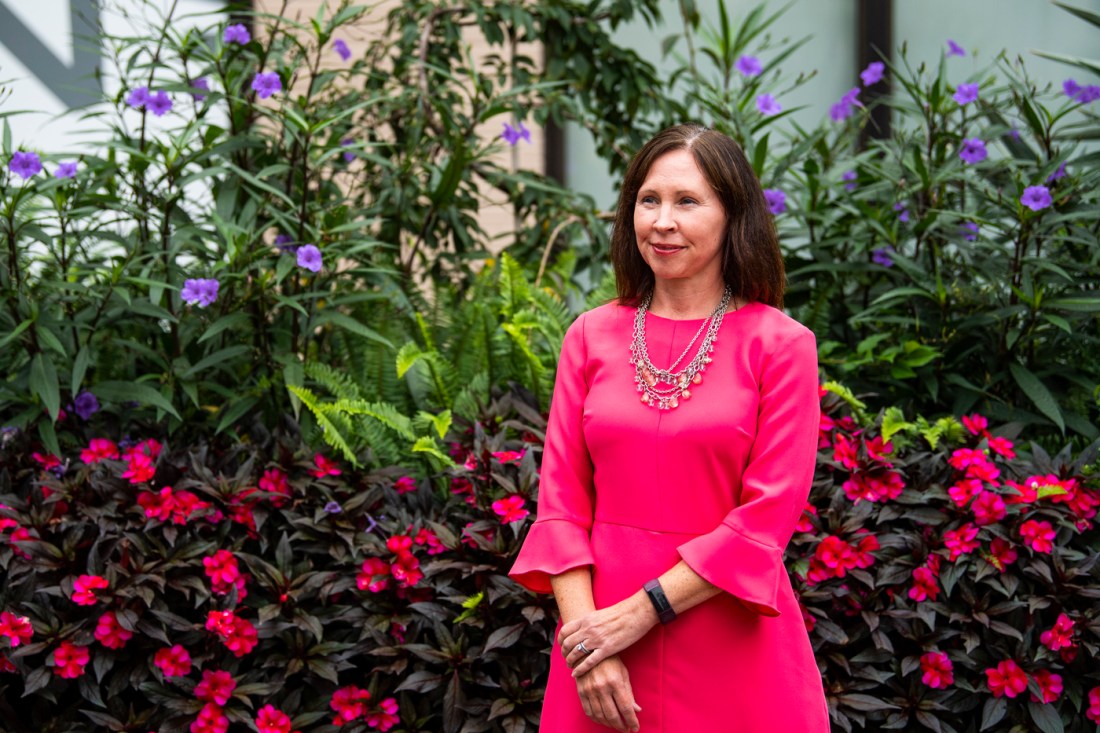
(666, 249)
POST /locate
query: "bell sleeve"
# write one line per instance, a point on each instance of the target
(744, 554)
(558, 540)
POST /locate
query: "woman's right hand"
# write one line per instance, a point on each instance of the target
(606, 695)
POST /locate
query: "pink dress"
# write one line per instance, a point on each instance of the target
(719, 483)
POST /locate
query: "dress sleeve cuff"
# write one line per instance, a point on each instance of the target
(552, 546)
(745, 568)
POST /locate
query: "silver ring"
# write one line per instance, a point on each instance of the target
(583, 649)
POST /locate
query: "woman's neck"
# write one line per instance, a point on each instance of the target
(685, 301)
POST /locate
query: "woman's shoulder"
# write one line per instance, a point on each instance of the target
(772, 325)
(608, 316)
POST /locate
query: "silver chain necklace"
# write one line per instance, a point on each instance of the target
(647, 377)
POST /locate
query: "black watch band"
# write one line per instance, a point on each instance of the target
(660, 601)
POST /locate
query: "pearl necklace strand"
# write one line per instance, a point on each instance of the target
(647, 376)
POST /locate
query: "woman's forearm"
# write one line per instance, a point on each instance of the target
(573, 593)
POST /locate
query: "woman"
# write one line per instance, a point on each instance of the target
(679, 455)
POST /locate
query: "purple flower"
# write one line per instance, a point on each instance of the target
(843, 109)
(954, 49)
(881, 256)
(309, 257)
(1071, 88)
(1014, 134)
(903, 215)
(236, 34)
(849, 177)
(267, 83)
(973, 151)
(512, 135)
(25, 165)
(873, 73)
(333, 507)
(65, 170)
(969, 230)
(285, 243)
(201, 84)
(777, 200)
(159, 103)
(1088, 94)
(85, 405)
(138, 97)
(965, 93)
(349, 155)
(371, 524)
(342, 49)
(749, 66)
(1060, 173)
(199, 291)
(767, 105)
(1036, 198)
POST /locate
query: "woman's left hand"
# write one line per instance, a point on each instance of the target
(605, 633)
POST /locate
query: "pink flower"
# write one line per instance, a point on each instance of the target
(84, 588)
(461, 486)
(349, 703)
(216, 686)
(1050, 686)
(69, 660)
(964, 490)
(1002, 447)
(406, 570)
(17, 629)
(510, 508)
(876, 484)
(504, 456)
(846, 451)
(325, 467)
(173, 661)
(220, 622)
(140, 468)
(867, 544)
(210, 720)
(805, 524)
(1093, 712)
(384, 716)
(988, 508)
(269, 719)
(1038, 535)
(375, 575)
(961, 541)
(110, 633)
(225, 574)
(157, 505)
(47, 461)
(242, 639)
(405, 485)
(963, 458)
(975, 423)
(1001, 554)
(427, 537)
(274, 482)
(148, 447)
(878, 450)
(99, 449)
(925, 587)
(1006, 679)
(833, 558)
(938, 672)
(1059, 636)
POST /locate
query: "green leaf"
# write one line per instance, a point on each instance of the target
(427, 444)
(893, 422)
(1038, 393)
(1046, 717)
(119, 392)
(80, 367)
(993, 711)
(43, 383)
(349, 324)
(504, 637)
(233, 320)
(229, 352)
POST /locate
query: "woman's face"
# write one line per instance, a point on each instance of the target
(679, 222)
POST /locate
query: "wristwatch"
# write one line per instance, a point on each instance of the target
(660, 601)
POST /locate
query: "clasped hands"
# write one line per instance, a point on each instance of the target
(591, 645)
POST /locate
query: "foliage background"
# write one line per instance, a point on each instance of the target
(424, 369)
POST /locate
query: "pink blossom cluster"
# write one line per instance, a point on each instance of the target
(350, 704)
(169, 505)
(834, 557)
(872, 475)
(225, 574)
(238, 634)
(404, 567)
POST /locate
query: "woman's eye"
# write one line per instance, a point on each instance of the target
(648, 200)
(687, 200)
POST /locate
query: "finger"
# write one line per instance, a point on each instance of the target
(585, 665)
(611, 712)
(628, 708)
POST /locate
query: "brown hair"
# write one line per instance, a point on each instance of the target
(752, 265)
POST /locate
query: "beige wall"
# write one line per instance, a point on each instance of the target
(496, 214)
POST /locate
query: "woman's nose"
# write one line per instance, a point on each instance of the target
(665, 220)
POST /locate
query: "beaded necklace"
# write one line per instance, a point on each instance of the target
(647, 377)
